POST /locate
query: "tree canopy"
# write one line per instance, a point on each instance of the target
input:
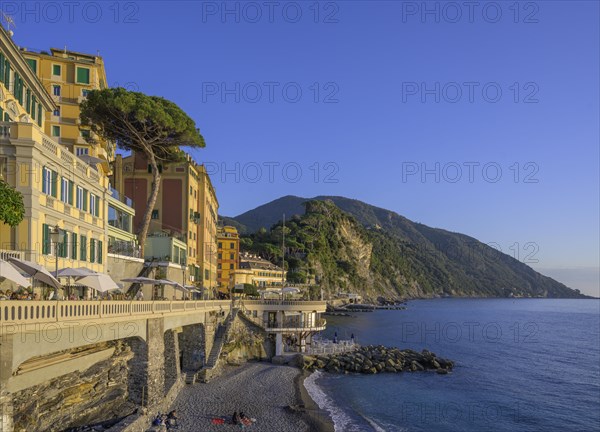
(134, 121)
(12, 209)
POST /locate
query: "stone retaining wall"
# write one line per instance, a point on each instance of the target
(78, 398)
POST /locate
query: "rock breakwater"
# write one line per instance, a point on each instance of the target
(375, 359)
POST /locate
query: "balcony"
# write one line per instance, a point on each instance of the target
(121, 198)
(289, 324)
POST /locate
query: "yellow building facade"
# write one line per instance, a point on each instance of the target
(68, 76)
(59, 189)
(228, 255)
(264, 274)
(186, 209)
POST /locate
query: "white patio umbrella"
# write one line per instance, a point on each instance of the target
(7, 271)
(99, 281)
(74, 272)
(36, 271)
(168, 282)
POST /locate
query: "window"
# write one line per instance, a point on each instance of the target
(46, 181)
(55, 131)
(83, 75)
(74, 246)
(93, 203)
(32, 64)
(56, 70)
(56, 112)
(64, 190)
(49, 180)
(79, 199)
(45, 239)
(28, 101)
(56, 90)
(83, 248)
(92, 250)
(64, 247)
(154, 214)
(81, 151)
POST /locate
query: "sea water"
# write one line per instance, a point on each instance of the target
(520, 365)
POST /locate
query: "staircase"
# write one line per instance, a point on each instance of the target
(220, 338)
(212, 363)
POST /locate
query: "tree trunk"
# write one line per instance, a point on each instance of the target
(143, 228)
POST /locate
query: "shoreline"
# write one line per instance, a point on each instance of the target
(318, 419)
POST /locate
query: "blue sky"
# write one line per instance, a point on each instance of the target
(482, 121)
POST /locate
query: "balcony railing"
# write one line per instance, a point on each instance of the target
(122, 198)
(6, 254)
(35, 312)
(289, 324)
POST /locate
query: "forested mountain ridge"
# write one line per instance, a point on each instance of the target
(348, 245)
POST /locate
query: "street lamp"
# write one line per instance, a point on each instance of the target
(56, 236)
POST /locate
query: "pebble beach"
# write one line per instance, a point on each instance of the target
(263, 391)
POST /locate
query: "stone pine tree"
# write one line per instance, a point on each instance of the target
(12, 209)
(151, 125)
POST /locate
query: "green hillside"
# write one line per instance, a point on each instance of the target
(348, 245)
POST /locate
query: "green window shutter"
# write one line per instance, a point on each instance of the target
(74, 246)
(82, 248)
(32, 64)
(92, 250)
(71, 187)
(83, 75)
(7, 74)
(100, 251)
(64, 247)
(44, 175)
(44, 239)
(2, 62)
(85, 200)
(54, 183)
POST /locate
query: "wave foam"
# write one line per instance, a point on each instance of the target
(341, 421)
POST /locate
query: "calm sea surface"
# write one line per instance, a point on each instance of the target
(521, 365)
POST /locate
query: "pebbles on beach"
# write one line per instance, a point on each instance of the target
(261, 390)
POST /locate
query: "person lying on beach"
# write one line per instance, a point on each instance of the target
(246, 421)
